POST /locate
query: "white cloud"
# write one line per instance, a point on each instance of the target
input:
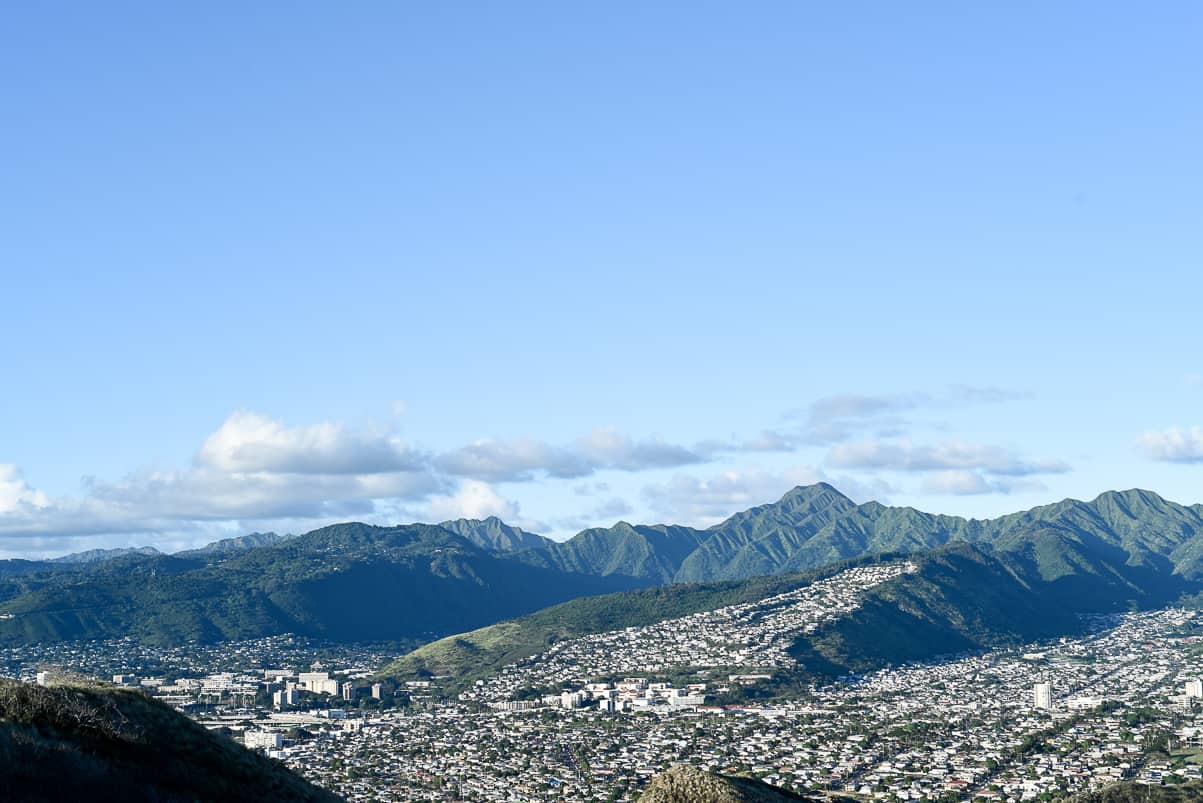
(511, 460)
(473, 500)
(614, 507)
(165, 502)
(837, 418)
(903, 455)
(251, 470)
(963, 482)
(609, 448)
(1174, 445)
(248, 441)
(603, 514)
(603, 448)
(255, 469)
(15, 493)
(959, 481)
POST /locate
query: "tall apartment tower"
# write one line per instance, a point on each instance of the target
(1042, 696)
(1193, 688)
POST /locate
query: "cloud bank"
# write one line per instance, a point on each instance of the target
(257, 472)
(1174, 445)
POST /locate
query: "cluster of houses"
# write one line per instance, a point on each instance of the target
(968, 729)
(1042, 722)
(754, 635)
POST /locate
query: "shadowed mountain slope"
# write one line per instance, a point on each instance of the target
(347, 582)
(816, 524)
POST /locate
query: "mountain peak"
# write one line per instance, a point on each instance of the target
(812, 491)
(494, 535)
(1133, 495)
(92, 556)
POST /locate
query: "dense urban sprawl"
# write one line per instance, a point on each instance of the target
(1035, 722)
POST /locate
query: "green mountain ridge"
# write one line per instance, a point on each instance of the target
(349, 582)
(495, 535)
(469, 656)
(651, 554)
(963, 597)
(236, 544)
(420, 582)
(816, 524)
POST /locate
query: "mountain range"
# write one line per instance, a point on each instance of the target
(415, 583)
(815, 525)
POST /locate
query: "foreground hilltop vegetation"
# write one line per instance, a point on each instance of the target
(74, 743)
(686, 784)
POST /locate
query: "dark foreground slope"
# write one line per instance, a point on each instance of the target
(686, 784)
(73, 743)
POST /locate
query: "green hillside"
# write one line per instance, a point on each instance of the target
(963, 597)
(816, 524)
(349, 582)
(421, 582)
(648, 554)
(468, 656)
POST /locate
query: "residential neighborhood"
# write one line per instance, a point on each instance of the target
(594, 718)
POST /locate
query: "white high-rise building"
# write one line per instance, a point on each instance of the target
(285, 697)
(1042, 696)
(1193, 688)
(262, 740)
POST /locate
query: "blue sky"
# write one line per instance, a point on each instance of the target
(570, 263)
